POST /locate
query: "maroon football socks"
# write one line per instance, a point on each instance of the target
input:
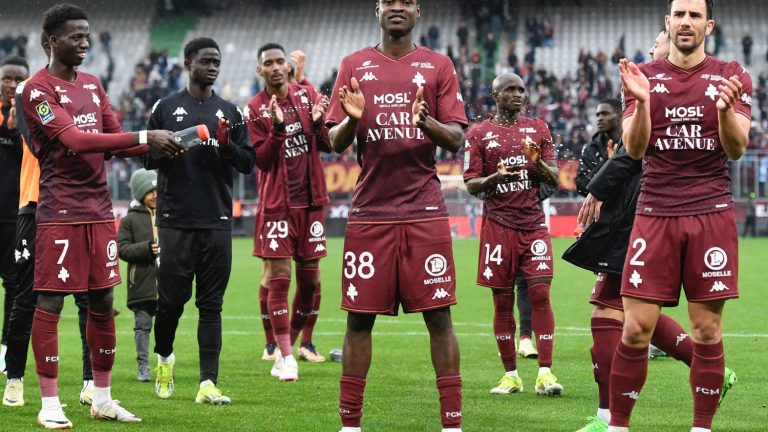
(504, 328)
(542, 321)
(606, 335)
(265, 321)
(307, 281)
(309, 326)
(100, 334)
(351, 400)
(628, 373)
(45, 346)
(449, 387)
(278, 311)
(670, 337)
(707, 374)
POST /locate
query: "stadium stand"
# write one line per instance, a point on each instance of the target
(128, 22)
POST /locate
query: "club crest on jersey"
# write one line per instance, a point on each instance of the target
(59, 89)
(711, 92)
(44, 112)
(418, 79)
(747, 99)
(219, 114)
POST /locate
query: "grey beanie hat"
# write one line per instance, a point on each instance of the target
(142, 182)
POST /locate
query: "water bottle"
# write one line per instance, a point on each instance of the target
(190, 137)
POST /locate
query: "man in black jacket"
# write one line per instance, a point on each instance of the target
(194, 215)
(594, 154)
(608, 213)
(13, 71)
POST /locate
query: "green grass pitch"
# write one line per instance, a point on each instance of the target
(401, 393)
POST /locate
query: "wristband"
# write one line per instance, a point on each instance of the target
(142, 137)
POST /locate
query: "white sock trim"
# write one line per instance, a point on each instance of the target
(101, 395)
(50, 402)
(543, 370)
(166, 360)
(604, 414)
(512, 373)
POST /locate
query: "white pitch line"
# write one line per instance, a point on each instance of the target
(562, 330)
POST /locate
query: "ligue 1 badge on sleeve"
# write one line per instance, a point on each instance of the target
(44, 112)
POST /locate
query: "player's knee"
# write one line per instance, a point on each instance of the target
(50, 303)
(438, 321)
(279, 267)
(359, 324)
(538, 294)
(100, 301)
(706, 331)
(637, 334)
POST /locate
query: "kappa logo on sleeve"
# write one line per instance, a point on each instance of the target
(44, 112)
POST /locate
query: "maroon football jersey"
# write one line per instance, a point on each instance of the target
(73, 187)
(296, 147)
(513, 204)
(685, 170)
(398, 180)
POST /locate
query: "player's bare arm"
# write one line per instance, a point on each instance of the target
(449, 136)
(484, 185)
(733, 127)
(637, 127)
(547, 170)
(82, 142)
(353, 103)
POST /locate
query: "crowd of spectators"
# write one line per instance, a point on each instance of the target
(487, 45)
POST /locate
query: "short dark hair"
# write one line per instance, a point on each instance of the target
(57, 16)
(16, 61)
(43, 39)
(614, 103)
(269, 46)
(195, 45)
(710, 7)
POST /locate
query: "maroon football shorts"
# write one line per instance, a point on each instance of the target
(701, 252)
(256, 236)
(301, 237)
(504, 252)
(76, 258)
(385, 265)
(607, 291)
